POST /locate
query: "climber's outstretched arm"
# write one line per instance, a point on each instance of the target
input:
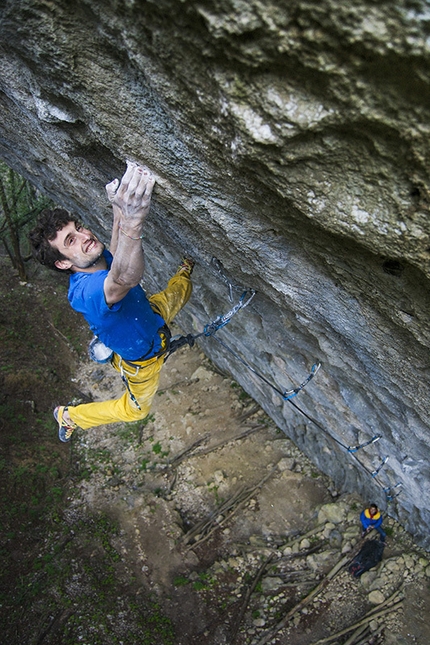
(115, 228)
(131, 200)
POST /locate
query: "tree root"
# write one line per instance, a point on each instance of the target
(194, 451)
(187, 451)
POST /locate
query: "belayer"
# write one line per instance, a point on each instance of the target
(105, 287)
(371, 518)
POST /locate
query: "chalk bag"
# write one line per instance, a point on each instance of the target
(98, 351)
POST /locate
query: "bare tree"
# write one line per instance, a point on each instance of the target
(20, 204)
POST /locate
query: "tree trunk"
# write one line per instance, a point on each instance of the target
(14, 238)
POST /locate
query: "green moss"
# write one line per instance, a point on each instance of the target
(180, 581)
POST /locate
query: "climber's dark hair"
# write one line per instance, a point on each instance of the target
(50, 222)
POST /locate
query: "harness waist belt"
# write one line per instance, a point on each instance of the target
(165, 335)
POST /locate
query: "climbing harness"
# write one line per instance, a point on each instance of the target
(125, 381)
(100, 353)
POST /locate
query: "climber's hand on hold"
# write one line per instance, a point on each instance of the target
(133, 194)
(112, 186)
(111, 189)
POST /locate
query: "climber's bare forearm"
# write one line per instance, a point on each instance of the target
(126, 271)
(131, 200)
(115, 229)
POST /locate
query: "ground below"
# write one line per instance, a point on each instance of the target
(203, 524)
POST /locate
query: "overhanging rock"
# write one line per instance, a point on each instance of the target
(290, 141)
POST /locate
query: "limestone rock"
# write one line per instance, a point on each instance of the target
(271, 584)
(259, 622)
(376, 597)
(202, 373)
(394, 565)
(333, 513)
(321, 561)
(335, 539)
(367, 578)
(328, 529)
(286, 463)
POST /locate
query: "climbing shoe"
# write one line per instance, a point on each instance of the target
(186, 266)
(65, 430)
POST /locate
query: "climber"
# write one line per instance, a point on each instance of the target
(371, 518)
(105, 287)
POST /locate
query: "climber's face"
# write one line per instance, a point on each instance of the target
(81, 250)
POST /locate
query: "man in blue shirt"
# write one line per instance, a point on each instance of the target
(105, 288)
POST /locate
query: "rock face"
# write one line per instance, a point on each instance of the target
(290, 142)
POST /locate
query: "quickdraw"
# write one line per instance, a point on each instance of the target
(221, 321)
(366, 443)
(289, 394)
(388, 490)
(374, 473)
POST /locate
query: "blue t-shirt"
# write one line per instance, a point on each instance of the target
(129, 326)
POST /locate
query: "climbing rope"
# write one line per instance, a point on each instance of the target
(353, 450)
(286, 395)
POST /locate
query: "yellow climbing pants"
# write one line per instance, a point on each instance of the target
(142, 376)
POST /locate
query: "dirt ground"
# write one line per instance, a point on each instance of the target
(202, 524)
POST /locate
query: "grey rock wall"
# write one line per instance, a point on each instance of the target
(290, 141)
